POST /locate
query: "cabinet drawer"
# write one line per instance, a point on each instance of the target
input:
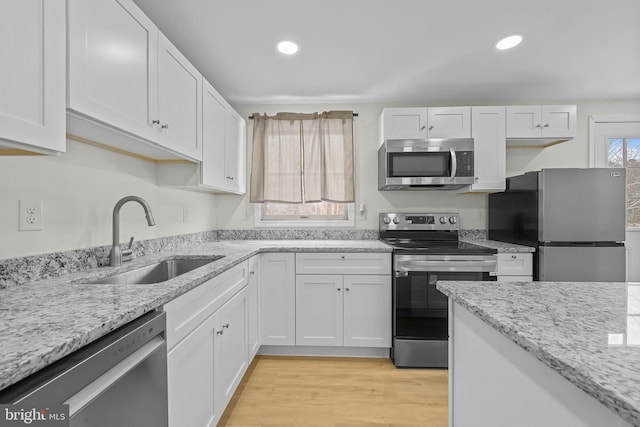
(515, 264)
(187, 311)
(343, 263)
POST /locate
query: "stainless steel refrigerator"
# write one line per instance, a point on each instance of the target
(575, 219)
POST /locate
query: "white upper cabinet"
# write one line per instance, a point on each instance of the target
(489, 153)
(403, 123)
(420, 123)
(222, 169)
(123, 75)
(449, 122)
(540, 124)
(32, 87)
(179, 101)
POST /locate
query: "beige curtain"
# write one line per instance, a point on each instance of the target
(301, 158)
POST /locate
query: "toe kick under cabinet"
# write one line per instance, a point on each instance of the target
(343, 299)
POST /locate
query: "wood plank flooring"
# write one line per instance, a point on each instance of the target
(337, 392)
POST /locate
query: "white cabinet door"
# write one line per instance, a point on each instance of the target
(367, 311)
(546, 121)
(231, 357)
(234, 152)
(490, 148)
(253, 306)
(277, 299)
(404, 123)
(449, 122)
(319, 309)
(213, 138)
(113, 65)
(32, 87)
(191, 378)
(558, 121)
(179, 101)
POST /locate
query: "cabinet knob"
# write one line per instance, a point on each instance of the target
(346, 289)
(514, 256)
(342, 256)
(155, 122)
(339, 289)
(546, 125)
(431, 127)
(165, 126)
(252, 272)
(423, 127)
(476, 178)
(538, 125)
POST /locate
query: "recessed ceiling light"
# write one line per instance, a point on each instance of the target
(509, 42)
(287, 47)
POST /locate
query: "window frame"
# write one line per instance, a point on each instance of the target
(258, 221)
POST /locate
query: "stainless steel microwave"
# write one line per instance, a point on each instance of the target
(425, 164)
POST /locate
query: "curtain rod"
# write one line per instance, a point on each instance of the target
(251, 116)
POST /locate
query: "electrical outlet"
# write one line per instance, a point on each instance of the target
(30, 215)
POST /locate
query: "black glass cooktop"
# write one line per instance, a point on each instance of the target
(439, 247)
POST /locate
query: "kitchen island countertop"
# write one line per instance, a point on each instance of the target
(587, 332)
(41, 322)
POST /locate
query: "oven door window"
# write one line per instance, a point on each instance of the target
(419, 164)
(420, 309)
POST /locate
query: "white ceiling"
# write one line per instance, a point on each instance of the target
(409, 51)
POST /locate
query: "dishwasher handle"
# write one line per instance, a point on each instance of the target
(106, 380)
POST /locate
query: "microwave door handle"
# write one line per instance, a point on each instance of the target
(454, 163)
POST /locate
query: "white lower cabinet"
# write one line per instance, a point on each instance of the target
(343, 299)
(343, 310)
(254, 306)
(277, 299)
(515, 267)
(208, 343)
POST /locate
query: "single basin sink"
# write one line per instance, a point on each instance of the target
(158, 272)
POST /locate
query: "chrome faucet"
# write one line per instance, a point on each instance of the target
(115, 256)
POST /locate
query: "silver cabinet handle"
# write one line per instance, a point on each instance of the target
(165, 126)
(155, 122)
(423, 127)
(538, 125)
(431, 127)
(225, 326)
(546, 125)
(219, 332)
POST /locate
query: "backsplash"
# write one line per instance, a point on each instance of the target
(298, 234)
(17, 271)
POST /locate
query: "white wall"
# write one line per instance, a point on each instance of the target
(79, 190)
(236, 212)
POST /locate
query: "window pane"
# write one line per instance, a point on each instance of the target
(320, 210)
(633, 153)
(615, 155)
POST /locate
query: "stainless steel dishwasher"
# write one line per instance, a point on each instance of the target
(118, 380)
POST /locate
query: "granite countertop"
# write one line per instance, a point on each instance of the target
(41, 322)
(501, 247)
(587, 332)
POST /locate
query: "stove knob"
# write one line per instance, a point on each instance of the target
(453, 220)
(396, 220)
(443, 220)
(386, 220)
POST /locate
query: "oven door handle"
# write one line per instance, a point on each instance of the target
(447, 265)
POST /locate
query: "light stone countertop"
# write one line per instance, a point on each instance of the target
(587, 332)
(501, 247)
(42, 322)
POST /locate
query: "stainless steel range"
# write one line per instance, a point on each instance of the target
(426, 249)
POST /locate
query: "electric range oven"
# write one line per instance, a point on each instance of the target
(426, 249)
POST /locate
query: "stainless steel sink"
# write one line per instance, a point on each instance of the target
(158, 272)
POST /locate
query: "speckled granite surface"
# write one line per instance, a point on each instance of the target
(501, 247)
(298, 234)
(17, 271)
(43, 321)
(587, 332)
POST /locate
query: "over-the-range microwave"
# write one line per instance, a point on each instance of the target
(425, 164)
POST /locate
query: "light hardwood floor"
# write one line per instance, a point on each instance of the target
(340, 392)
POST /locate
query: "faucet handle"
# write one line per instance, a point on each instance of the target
(127, 254)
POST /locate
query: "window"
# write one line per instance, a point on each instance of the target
(625, 153)
(302, 170)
